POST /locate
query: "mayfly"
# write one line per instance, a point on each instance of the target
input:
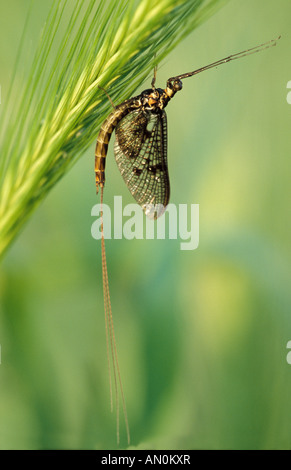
(140, 149)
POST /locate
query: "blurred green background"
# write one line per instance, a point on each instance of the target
(201, 334)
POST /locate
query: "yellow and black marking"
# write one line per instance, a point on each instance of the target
(104, 136)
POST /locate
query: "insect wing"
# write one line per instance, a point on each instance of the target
(131, 133)
(141, 155)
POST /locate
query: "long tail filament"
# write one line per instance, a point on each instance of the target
(110, 339)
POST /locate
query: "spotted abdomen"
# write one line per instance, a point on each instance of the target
(103, 139)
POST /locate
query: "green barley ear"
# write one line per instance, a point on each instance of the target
(84, 46)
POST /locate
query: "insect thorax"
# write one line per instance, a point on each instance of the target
(156, 99)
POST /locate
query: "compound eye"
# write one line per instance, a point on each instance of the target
(178, 85)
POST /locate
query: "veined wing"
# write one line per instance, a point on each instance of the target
(141, 155)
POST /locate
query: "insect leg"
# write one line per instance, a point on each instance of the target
(103, 89)
(154, 77)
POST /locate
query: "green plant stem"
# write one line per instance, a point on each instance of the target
(58, 115)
